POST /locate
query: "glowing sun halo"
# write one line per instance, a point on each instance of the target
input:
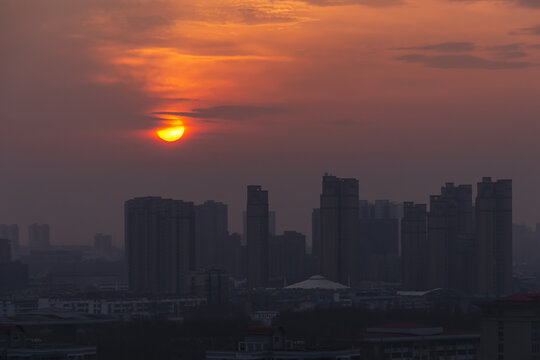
(173, 132)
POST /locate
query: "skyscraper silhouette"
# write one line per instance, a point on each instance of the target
(494, 237)
(414, 249)
(257, 233)
(212, 231)
(160, 244)
(316, 239)
(286, 257)
(378, 232)
(450, 239)
(339, 229)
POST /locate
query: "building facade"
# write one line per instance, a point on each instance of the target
(211, 232)
(494, 237)
(511, 328)
(160, 244)
(414, 253)
(339, 230)
(257, 235)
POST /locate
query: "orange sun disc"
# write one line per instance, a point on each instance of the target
(171, 134)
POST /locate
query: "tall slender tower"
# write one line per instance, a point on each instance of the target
(160, 244)
(257, 233)
(316, 233)
(494, 237)
(339, 229)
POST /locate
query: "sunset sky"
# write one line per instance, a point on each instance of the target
(403, 95)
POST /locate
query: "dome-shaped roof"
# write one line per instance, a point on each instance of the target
(317, 282)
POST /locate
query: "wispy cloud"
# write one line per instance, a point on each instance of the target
(445, 47)
(508, 51)
(463, 61)
(534, 30)
(371, 3)
(229, 112)
(522, 3)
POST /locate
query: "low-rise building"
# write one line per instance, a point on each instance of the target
(410, 341)
(269, 343)
(15, 346)
(511, 328)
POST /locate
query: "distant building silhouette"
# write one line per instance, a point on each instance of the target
(257, 234)
(378, 229)
(414, 247)
(464, 250)
(316, 241)
(211, 233)
(39, 237)
(339, 229)
(232, 255)
(316, 232)
(494, 237)
(13, 275)
(102, 244)
(271, 225)
(160, 244)
(286, 257)
(11, 232)
(272, 222)
(212, 284)
(451, 239)
(5, 251)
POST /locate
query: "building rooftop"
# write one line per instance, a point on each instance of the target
(53, 317)
(532, 297)
(317, 282)
(401, 330)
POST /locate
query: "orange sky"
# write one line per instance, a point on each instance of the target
(271, 92)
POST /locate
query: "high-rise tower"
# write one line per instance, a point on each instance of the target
(160, 244)
(257, 233)
(494, 237)
(339, 229)
(414, 251)
(211, 235)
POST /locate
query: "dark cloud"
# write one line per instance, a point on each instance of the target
(445, 47)
(372, 3)
(508, 51)
(522, 3)
(462, 62)
(535, 30)
(178, 99)
(529, 3)
(228, 112)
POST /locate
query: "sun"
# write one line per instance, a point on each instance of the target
(173, 132)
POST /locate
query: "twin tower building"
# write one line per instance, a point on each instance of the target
(456, 244)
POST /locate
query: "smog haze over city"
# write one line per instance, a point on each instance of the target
(403, 95)
(269, 179)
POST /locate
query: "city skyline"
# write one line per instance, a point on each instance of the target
(271, 92)
(117, 238)
(236, 225)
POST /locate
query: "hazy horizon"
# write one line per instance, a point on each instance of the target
(402, 95)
